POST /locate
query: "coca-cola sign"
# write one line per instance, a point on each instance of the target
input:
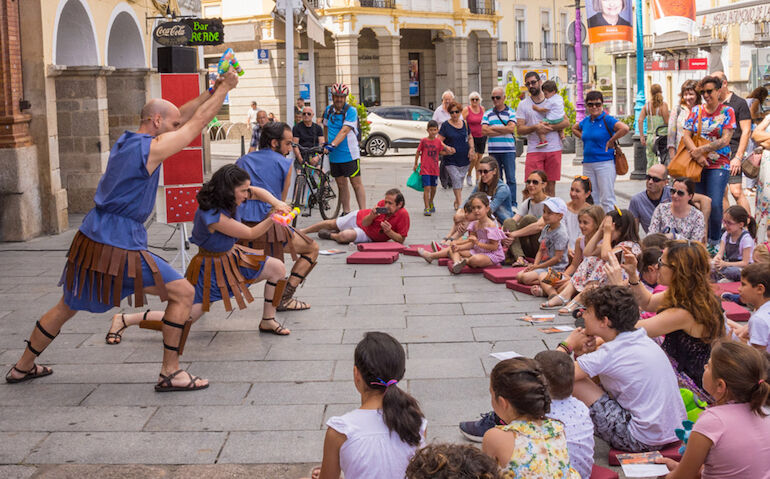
(172, 33)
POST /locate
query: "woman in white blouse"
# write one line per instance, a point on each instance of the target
(690, 96)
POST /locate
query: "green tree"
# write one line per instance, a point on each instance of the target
(569, 110)
(362, 113)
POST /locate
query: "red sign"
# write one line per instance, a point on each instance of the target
(183, 168)
(181, 204)
(666, 65)
(698, 64)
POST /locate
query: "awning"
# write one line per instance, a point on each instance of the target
(315, 31)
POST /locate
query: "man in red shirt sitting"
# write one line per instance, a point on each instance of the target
(388, 221)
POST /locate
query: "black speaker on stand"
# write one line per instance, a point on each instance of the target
(177, 60)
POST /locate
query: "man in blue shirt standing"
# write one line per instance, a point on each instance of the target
(499, 124)
(341, 124)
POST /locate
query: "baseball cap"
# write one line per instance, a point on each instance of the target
(556, 205)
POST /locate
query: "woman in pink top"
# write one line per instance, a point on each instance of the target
(732, 439)
(473, 114)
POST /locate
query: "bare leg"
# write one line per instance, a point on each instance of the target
(432, 194)
(344, 236)
(736, 189)
(358, 188)
(587, 391)
(273, 271)
(479, 261)
(342, 187)
(321, 225)
(308, 252)
(550, 188)
(458, 197)
(51, 322)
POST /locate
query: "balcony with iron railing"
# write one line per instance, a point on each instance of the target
(502, 51)
(523, 51)
(482, 7)
(315, 3)
(762, 32)
(554, 52)
(378, 3)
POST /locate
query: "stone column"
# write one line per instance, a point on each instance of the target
(457, 74)
(346, 55)
(83, 126)
(126, 95)
(20, 217)
(390, 69)
(488, 61)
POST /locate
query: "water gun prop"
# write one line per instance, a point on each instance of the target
(225, 61)
(684, 434)
(692, 404)
(286, 219)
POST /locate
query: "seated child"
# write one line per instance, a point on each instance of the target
(459, 225)
(528, 444)
(554, 242)
(755, 292)
(559, 370)
(730, 440)
(761, 255)
(636, 404)
(379, 438)
(552, 107)
(451, 461)
(484, 244)
(657, 240)
(736, 245)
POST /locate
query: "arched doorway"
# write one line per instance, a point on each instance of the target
(74, 35)
(125, 48)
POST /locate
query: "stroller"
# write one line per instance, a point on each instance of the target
(660, 147)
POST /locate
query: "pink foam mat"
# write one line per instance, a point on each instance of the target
(386, 246)
(720, 288)
(501, 275)
(444, 261)
(735, 311)
(470, 270)
(372, 257)
(670, 451)
(411, 250)
(516, 286)
(599, 472)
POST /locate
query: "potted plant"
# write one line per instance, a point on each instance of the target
(628, 138)
(568, 144)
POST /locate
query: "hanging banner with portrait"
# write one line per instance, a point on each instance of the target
(673, 16)
(609, 20)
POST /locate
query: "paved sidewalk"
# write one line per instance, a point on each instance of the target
(264, 414)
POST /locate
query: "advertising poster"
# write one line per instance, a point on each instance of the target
(414, 77)
(609, 20)
(304, 79)
(673, 16)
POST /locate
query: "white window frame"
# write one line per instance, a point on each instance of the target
(546, 35)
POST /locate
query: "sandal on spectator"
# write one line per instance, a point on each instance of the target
(35, 372)
(164, 385)
(547, 306)
(520, 261)
(457, 267)
(571, 306)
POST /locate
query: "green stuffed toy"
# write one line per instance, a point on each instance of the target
(692, 404)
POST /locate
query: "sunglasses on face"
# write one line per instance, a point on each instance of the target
(653, 179)
(477, 99)
(454, 112)
(679, 192)
(581, 177)
(707, 91)
(594, 103)
(306, 113)
(495, 97)
(533, 182)
(483, 172)
(532, 83)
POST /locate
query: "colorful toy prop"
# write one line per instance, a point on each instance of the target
(286, 219)
(225, 61)
(692, 404)
(684, 434)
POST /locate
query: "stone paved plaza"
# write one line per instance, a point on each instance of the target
(264, 414)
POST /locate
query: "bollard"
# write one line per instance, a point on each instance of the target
(640, 160)
(578, 160)
(243, 145)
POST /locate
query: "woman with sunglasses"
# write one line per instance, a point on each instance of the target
(500, 201)
(473, 114)
(679, 219)
(689, 96)
(599, 131)
(455, 133)
(716, 122)
(688, 313)
(524, 228)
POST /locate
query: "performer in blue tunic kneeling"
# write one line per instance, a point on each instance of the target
(223, 268)
(108, 259)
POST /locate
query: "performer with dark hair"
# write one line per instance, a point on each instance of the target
(108, 259)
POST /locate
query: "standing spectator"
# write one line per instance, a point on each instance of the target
(341, 122)
(755, 100)
(738, 142)
(716, 122)
(307, 133)
(262, 120)
(529, 124)
(553, 109)
(426, 159)
(599, 131)
(298, 108)
(455, 133)
(689, 97)
(679, 218)
(473, 114)
(657, 114)
(499, 124)
(762, 137)
(442, 112)
(251, 115)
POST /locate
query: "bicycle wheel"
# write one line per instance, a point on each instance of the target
(299, 195)
(328, 198)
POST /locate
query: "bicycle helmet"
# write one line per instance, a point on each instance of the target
(340, 89)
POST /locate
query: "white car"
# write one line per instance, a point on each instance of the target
(396, 127)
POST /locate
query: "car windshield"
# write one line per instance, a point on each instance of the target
(420, 114)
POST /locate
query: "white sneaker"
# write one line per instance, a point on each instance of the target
(469, 181)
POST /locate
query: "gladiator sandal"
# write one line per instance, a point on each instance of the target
(46, 334)
(288, 301)
(157, 326)
(36, 371)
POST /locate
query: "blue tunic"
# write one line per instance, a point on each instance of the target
(215, 242)
(124, 199)
(268, 170)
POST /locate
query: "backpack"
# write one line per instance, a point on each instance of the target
(328, 114)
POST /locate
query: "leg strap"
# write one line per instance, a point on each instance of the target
(144, 317)
(279, 286)
(183, 339)
(312, 265)
(46, 334)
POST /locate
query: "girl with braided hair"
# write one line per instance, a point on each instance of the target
(379, 438)
(529, 444)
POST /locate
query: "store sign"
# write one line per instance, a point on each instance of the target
(695, 64)
(668, 65)
(190, 32)
(750, 14)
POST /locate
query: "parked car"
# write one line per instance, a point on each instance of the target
(396, 127)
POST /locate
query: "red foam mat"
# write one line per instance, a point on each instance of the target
(720, 288)
(386, 246)
(501, 275)
(735, 311)
(411, 250)
(372, 257)
(670, 451)
(516, 286)
(469, 270)
(443, 261)
(599, 472)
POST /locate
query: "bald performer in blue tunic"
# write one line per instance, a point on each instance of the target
(108, 259)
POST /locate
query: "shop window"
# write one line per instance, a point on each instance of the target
(369, 90)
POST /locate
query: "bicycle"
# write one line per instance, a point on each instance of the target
(322, 189)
